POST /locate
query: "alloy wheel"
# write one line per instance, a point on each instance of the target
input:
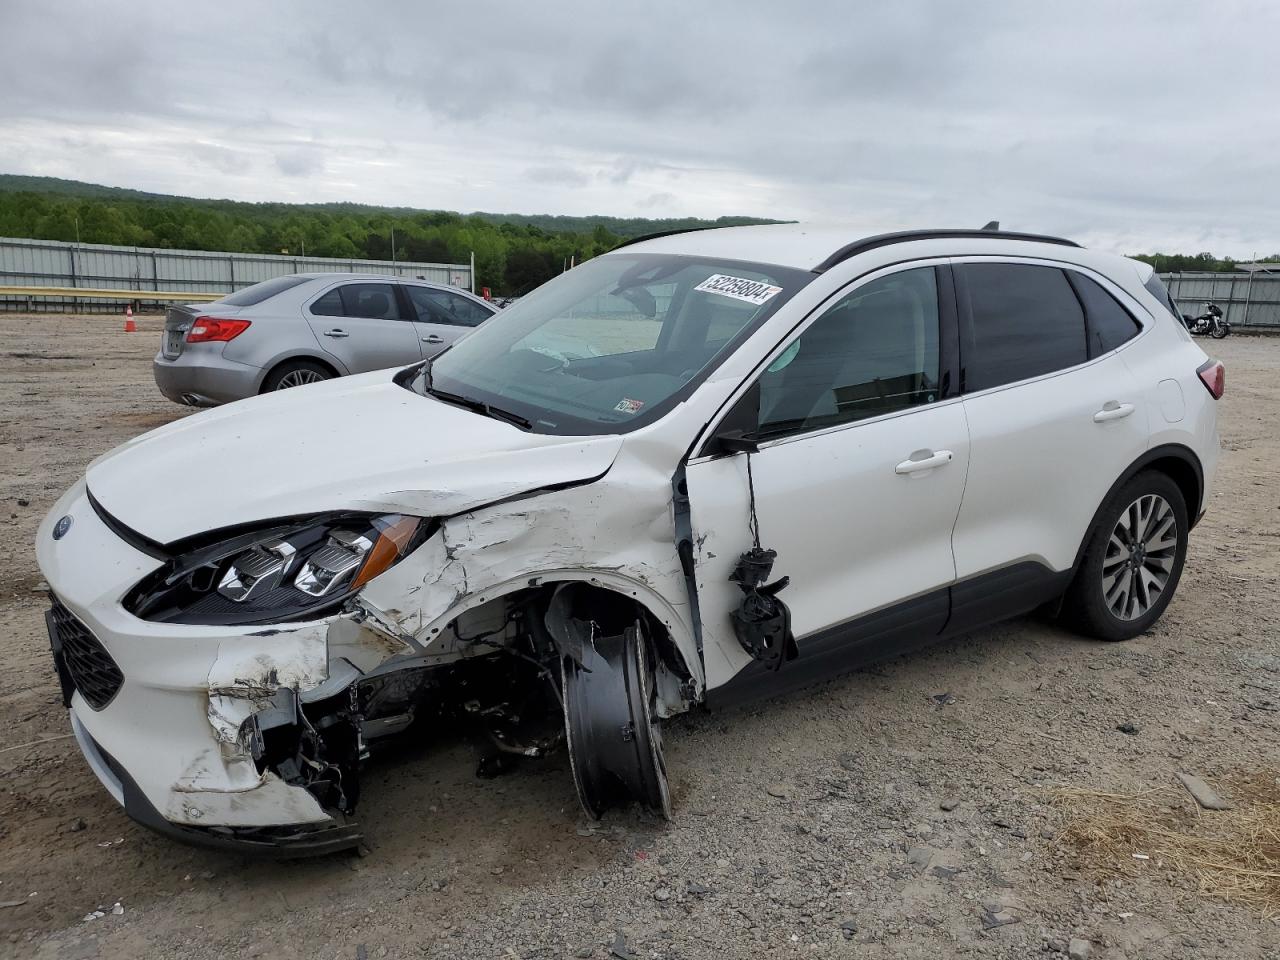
(1140, 557)
(299, 378)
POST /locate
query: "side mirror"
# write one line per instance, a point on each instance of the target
(735, 441)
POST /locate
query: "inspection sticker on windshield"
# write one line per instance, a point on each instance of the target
(752, 291)
(627, 405)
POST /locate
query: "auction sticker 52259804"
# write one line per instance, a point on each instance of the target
(739, 288)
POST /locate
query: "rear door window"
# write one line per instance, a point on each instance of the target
(1025, 321)
(441, 306)
(1109, 323)
(370, 301)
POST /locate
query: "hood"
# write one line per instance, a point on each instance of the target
(353, 443)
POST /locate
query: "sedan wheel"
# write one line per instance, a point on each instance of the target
(295, 373)
(298, 378)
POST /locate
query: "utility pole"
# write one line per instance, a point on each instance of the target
(77, 229)
(473, 271)
(393, 244)
(1248, 291)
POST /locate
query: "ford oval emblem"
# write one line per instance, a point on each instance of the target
(61, 527)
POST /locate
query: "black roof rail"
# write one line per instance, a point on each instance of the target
(906, 236)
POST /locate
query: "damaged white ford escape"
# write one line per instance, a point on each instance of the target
(702, 466)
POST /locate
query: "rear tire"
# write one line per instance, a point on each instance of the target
(1132, 561)
(296, 373)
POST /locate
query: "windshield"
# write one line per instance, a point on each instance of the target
(612, 344)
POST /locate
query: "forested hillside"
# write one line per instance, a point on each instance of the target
(514, 252)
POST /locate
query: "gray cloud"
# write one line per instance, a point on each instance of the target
(1120, 124)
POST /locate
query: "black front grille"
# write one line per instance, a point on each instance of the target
(85, 660)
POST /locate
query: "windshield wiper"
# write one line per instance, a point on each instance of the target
(479, 406)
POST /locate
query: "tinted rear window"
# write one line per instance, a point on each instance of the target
(263, 291)
(1109, 323)
(1027, 321)
(1157, 289)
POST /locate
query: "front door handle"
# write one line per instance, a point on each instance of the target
(1113, 410)
(337, 333)
(433, 338)
(923, 460)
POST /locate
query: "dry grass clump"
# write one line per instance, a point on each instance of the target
(1232, 854)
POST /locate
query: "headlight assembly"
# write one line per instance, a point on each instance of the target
(290, 570)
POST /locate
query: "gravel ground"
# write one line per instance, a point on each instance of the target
(903, 811)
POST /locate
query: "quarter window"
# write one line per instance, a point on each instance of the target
(874, 352)
(370, 301)
(1026, 321)
(1109, 323)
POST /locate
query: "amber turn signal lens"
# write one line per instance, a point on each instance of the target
(386, 550)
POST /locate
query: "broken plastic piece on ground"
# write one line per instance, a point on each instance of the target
(1204, 794)
(615, 745)
(762, 622)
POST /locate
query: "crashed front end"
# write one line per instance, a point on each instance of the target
(251, 735)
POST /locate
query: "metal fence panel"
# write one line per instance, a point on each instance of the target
(1248, 299)
(52, 263)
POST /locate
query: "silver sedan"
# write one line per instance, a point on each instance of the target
(307, 327)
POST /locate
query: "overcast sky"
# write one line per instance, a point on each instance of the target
(1129, 125)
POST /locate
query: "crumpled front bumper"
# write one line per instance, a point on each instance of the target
(301, 840)
(169, 745)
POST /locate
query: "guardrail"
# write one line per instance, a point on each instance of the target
(102, 277)
(97, 293)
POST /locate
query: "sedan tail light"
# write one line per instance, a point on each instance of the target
(1214, 377)
(207, 329)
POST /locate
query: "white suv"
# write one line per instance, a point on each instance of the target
(568, 526)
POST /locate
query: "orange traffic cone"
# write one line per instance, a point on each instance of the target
(129, 325)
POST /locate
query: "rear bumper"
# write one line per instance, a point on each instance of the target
(204, 378)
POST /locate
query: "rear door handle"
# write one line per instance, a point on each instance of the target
(923, 460)
(433, 338)
(1113, 410)
(337, 333)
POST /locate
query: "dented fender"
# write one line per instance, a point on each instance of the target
(627, 545)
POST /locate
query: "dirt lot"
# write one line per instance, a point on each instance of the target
(911, 810)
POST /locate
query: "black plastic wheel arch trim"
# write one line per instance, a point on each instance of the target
(1165, 451)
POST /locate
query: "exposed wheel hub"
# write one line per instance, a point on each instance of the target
(615, 744)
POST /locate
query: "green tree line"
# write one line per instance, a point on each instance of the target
(1187, 263)
(513, 254)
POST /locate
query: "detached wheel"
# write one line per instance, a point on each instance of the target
(1133, 560)
(295, 373)
(614, 740)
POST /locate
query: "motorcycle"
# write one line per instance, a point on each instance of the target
(1210, 322)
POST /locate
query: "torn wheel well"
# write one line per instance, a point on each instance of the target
(609, 612)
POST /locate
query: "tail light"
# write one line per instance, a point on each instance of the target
(1214, 377)
(207, 329)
